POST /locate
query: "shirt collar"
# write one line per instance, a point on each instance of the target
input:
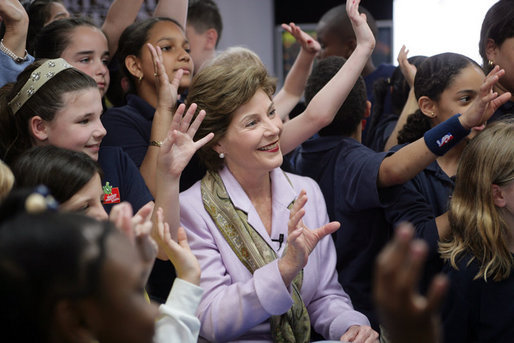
(282, 191)
(141, 106)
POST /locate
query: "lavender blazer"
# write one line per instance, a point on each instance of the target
(236, 305)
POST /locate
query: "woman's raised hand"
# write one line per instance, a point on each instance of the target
(301, 241)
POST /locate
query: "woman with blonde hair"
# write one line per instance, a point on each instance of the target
(479, 251)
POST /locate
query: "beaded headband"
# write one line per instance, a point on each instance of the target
(38, 78)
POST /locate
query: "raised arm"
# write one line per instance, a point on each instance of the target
(413, 158)
(16, 23)
(294, 84)
(174, 155)
(121, 14)
(162, 121)
(323, 107)
(411, 105)
(175, 9)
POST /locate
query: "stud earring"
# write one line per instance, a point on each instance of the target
(491, 63)
(222, 155)
(140, 78)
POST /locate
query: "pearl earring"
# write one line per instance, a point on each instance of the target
(222, 155)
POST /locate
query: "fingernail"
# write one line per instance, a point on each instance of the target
(309, 41)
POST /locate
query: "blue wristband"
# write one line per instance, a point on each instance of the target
(445, 136)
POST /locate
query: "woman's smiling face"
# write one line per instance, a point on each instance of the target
(251, 143)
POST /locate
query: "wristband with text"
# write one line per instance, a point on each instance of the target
(445, 136)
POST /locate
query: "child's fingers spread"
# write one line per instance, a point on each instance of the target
(177, 117)
(196, 123)
(186, 121)
(204, 140)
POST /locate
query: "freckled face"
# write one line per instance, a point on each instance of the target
(251, 144)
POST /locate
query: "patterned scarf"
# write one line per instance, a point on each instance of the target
(253, 251)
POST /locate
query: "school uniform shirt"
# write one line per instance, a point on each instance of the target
(420, 201)
(237, 305)
(130, 127)
(382, 131)
(122, 180)
(476, 311)
(347, 173)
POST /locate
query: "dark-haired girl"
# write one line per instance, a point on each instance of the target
(72, 177)
(444, 85)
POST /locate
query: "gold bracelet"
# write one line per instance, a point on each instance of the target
(156, 143)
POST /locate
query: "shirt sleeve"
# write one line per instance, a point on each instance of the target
(357, 178)
(411, 206)
(9, 69)
(134, 186)
(177, 321)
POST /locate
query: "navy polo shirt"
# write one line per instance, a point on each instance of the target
(476, 310)
(382, 131)
(421, 200)
(129, 127)
(347, 173)
(122, 173)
